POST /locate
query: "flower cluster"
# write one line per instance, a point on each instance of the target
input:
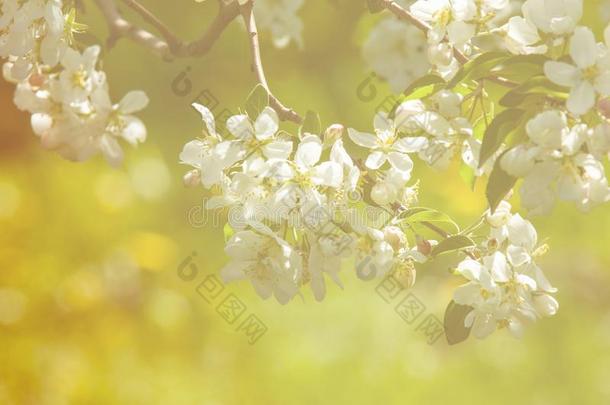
(61, 87)
(560, 161)
(543, 26)
(397, 52)
(280, 18)
(589, 76)
(506, 288)
(295, 202)
(453, 25)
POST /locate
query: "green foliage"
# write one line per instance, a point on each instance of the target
(422, 215)
(478, 68)
(504, 123)
(455, 331)
(452, 244)
(311, 124)
(499, 185)
(425, 87)
(257, 101)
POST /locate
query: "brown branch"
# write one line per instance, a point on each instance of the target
(285, 113)
(119, 27)
(406, 15)
(152, 19)
(170, 46)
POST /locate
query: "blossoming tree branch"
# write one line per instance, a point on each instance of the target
(518, 96)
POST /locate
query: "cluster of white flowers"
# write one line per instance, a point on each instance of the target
(67, 97)
(506, 288)
(292, 206)
(433, 128)
(400, 53)
(455, 24)
(397, 52)
(280, 18)
(590, 74)
(560, 161)
(543, 26)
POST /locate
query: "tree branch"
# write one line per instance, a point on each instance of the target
(170, 46)
(406, 15)
(284, 112)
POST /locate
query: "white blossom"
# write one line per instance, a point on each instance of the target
(506, 289)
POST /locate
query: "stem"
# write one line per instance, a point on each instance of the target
(285, 113)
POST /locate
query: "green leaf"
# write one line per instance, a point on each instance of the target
(424, 87)
(257, 101)
(515, 99)
(228, 232)
(537, 60)
(452, 243)
(504, 123)
(467, 174)
(375, 6)
(421, 214)
(499, 185)
(477, 68)
(522, 67)
(311, 124)
(455, 331)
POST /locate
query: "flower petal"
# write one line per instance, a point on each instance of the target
(362, 138)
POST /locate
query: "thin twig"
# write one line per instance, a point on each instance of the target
(170, 46)
(152, 19)
(406, 15)
(285, 113)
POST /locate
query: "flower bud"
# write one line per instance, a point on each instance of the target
(192, 178)
(36, 80)
(405, 274)
(424, 246)
(545, 305)
(395, 237)
(333, 134)
(604, 107)
(440, 54)
(383, 194)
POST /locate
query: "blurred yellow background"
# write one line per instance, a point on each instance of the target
(92, 310)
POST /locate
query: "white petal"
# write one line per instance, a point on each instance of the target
(134, 131)
(133, 101)
(498, 267)
(411, 144)
(240, 126)
(582, 98)
(382, 123)
(561, 73)
(517, 255)
(583, 47)
(278, 150)
(328, 174)
(309, 151)
(400, 161)
(471, 269)
(362, 139)
(233, 271)
(522, 233)
(376, 160)
(192, 153)
(207, 117)
(602, 84)
(266, 124)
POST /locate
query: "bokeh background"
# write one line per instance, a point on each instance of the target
(92, 310)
